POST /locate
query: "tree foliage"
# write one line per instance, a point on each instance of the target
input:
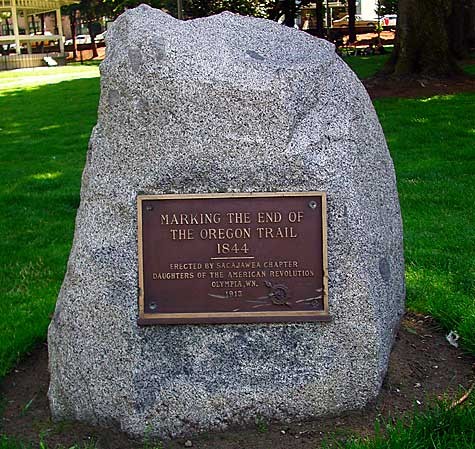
(201, 8)
(430, 33)
(92, 10)
(117, 7)
(389, 6)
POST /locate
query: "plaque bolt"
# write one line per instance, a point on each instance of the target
(152, 306)
(149, 208)
(312, 204)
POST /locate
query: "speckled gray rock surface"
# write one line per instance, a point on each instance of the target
(225, 103)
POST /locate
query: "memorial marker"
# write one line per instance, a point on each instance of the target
(198, 293)
(242, 258)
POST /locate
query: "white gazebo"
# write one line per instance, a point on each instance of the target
(29, 8)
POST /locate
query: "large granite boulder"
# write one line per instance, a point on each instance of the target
(219, 104)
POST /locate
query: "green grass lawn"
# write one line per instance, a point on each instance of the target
(367, 66)
(439, 427)
(31, 78)
(45, 129)
(46, 123)
(469, 68)
(432, 144)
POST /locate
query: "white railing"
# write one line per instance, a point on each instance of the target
(22, 38)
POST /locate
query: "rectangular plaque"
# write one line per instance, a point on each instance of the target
(232, 258)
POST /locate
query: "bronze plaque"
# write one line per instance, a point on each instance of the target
(232, 258)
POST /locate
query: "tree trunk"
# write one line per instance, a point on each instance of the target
(461, 24)
(7, 51)
(352, 20)
(471, 24)
(289, 9)
(42, 28)
(199, 8)
(33, 23)
(73, 21)
(422, 40)
(320, 28)
(93, 42)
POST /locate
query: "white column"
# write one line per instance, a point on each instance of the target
(59, 24)
(16, 31)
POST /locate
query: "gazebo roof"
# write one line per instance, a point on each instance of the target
(35, 6)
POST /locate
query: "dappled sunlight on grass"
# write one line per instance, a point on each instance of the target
(436, 97)
(420, 120)
(53, 113)
(31, 79)
(44, 176)
(12, 128)
(49, 127)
